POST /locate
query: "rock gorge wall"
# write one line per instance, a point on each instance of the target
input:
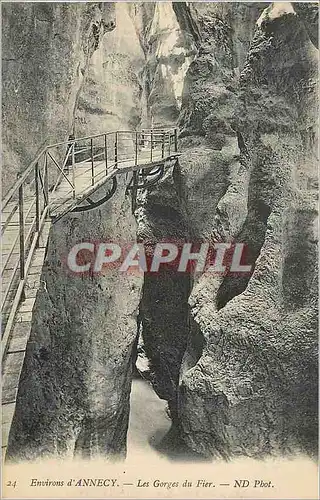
(111, 94)
(253, 390)
(135, 76)
(79, 358)
(78, 364)
(234, 357)
(248, 173)
(46, 49)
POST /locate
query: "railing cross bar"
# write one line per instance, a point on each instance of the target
(92, 162)
(62, 172)
(106, 152)
(45, 195)
(37, 197)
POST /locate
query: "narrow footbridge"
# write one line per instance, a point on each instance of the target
(73, 176)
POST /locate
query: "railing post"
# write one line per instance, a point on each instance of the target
(116, 150)
(73, 170)
(46, 181)
(37, 201)
(163, 143)
(169, 135)
(176, 140)
(21, 232)
(151, 154)
(92, 162)
(106, 152)
(136, 149)
(134, 191)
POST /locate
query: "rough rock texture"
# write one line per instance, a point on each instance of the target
(169, 52)
(79, 359)
(136, 75)
(90, 415)
(78, 365)
(111, 95)
(309, 15)
(164, 316)
(234, 356)
(208, 167)
(46, 48)
(253, 391)
(248, 127)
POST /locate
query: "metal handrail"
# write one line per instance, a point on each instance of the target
(16, 238)
(21, 179)
(43, 150)
(78, 139)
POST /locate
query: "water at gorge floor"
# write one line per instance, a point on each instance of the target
(148, 422)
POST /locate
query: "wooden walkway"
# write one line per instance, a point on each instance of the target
(64, 199)
(62, 178)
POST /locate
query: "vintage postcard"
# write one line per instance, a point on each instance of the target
(159, 249)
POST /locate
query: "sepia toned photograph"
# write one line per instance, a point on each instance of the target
(159, 249)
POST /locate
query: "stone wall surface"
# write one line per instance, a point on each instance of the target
(46, 48)
(252, 392)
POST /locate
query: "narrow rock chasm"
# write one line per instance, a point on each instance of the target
(177, 365)
(164, 310)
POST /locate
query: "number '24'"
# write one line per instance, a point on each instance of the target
(12, 483)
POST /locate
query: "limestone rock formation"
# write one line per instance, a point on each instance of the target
(247, 174)
(46, 49)
(111, 94)
(80, 355)
(252, 392)
(79, 359)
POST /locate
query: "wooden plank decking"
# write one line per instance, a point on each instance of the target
(13, 361)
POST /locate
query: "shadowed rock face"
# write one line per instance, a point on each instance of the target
(209, 168)
(309, 15)
(248, 172)
(253, 390)
(169, 52)
(164, 303)
(110, 98)
(136, 75)
(235, 357)
(78, 362)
